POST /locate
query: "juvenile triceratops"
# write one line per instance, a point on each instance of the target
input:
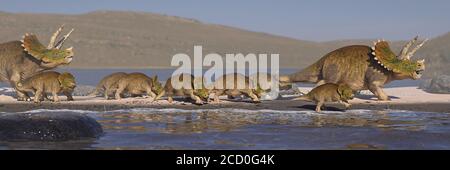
(137, 84)
(22, 59)
(363, 67)
(107, 84)
(186, 83)
(48, 82)
(233, 85)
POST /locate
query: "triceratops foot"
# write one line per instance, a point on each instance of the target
(198, 102)
(383, 98)
(23, 99)
(256, 101)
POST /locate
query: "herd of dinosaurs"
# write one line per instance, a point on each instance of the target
(27, 66)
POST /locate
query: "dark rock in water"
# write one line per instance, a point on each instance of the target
(438, 84)
(47, 126)
(424, 84)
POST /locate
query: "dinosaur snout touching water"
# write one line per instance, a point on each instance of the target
(184, 85)
(363, 67)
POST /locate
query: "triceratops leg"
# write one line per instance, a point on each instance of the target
(319, 106)
(44, 97)
(346, 104)
(151, 94)
(378, 91)
(119, 92)
(170, 98)
(195, 98)
(38, 96)
(160, 95)
(253, 96)
(106, 93)
(217, 93)
(14, 79)
(55, 97)
(69, 96)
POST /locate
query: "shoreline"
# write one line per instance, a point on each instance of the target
(402, 98)
(264, 105)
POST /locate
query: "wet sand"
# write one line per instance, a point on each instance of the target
(272, 105)
(402, 98)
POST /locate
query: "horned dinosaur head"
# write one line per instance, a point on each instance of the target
(200, 89)
(258, 91)
(345, 92)
(263, 83)
(67, 81)
(401, 65)
(52, 55)
(203, 93)
(156, 85)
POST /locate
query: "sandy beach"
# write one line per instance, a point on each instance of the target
(402, 98)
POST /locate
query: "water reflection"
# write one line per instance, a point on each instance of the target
(66, 145)
(384, 120)
(149, 128)
(224, 121)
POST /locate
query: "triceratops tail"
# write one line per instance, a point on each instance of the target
(96, 91)
(99, 88)
(304, 98)
(310, 74)
(93, 93)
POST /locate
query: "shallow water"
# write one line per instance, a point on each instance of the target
(147, 128)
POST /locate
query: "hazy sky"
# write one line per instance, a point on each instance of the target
(318, 20)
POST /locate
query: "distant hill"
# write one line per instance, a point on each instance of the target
(113, 39)
(437, 55)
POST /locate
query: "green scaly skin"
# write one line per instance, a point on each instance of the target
(258, 91)
(55, 56)
(202, 93)
(360, 67)
(67, 81)
(384, 54)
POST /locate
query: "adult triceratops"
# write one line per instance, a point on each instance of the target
(363, 67)
(22, 59)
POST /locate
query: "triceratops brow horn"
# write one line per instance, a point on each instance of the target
(55, 35)
(411, 53)
(60, 43)
(404, 51)
(405, 54)
(53, 44)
